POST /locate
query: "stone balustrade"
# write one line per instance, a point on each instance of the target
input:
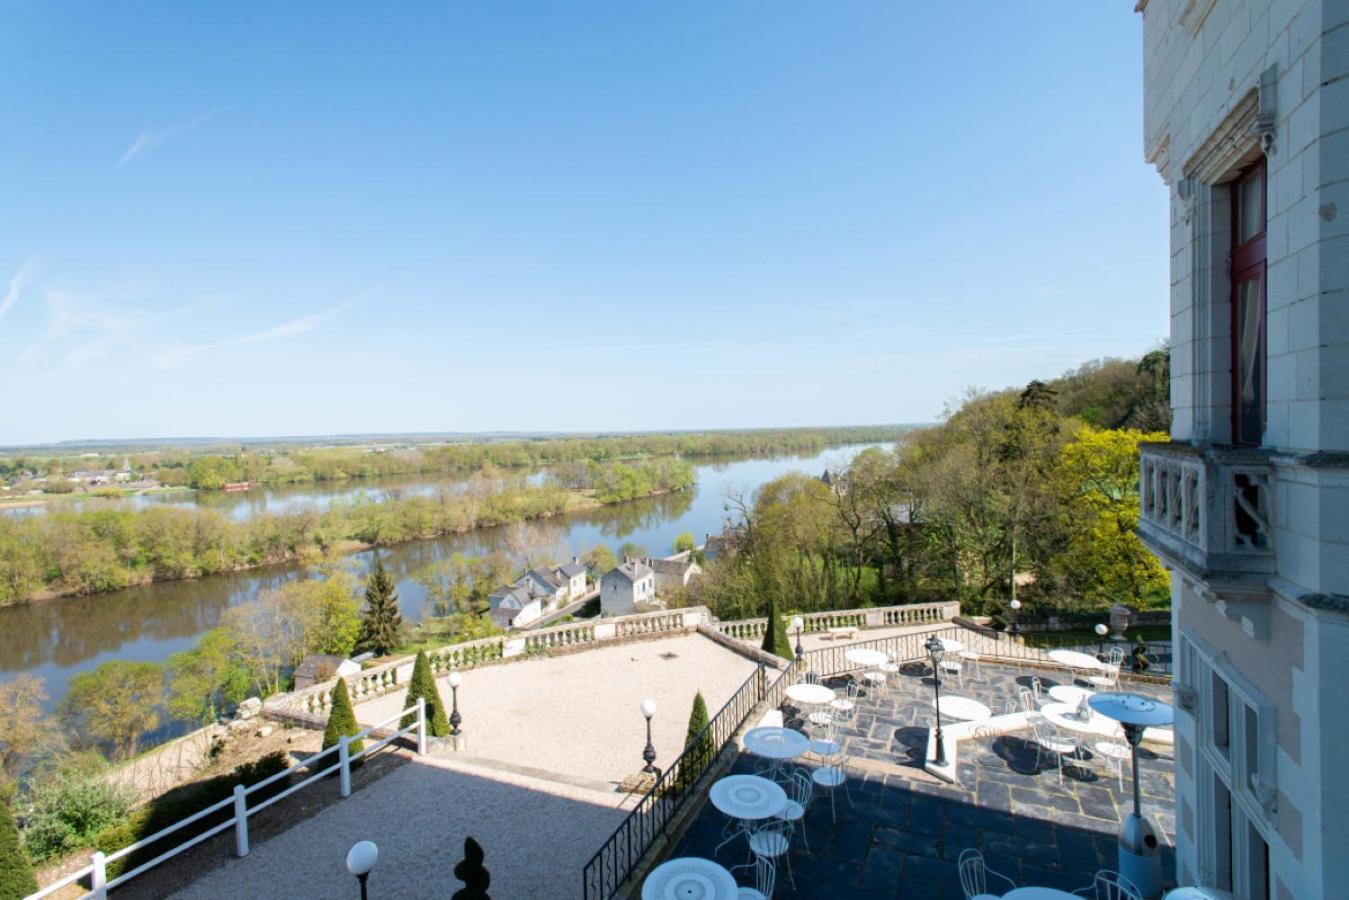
(877, 617)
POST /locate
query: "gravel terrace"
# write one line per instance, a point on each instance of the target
(536, 836)
(578, 714)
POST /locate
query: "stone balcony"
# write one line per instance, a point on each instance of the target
(1207, 512)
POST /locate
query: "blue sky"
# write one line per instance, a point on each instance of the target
(249, 220)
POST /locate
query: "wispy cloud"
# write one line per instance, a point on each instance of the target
(16, 286)
(290, 329)
(151, 138)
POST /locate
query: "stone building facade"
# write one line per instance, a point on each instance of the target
(1247, 120)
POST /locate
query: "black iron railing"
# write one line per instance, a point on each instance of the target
(1157, 658)
(904, 648)
(679, 783)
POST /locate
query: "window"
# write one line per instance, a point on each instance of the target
(1219, 709)
(1248, 306)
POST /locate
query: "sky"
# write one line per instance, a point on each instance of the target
(261, 219)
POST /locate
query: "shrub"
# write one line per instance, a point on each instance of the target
(775, 634)
(423, 685)
(69, 808)
(16, 875)
(696, 758)
(341, 720)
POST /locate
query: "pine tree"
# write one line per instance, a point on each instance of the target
(16, 875)
(423, 685)
(696, 759)
(341, 720)
(381, 623)
(775, 634)
(472, 873)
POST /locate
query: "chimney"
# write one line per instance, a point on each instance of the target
(576, 560)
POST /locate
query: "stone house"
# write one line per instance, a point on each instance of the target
(1246, 118)
(674, 573)
(322, 667)
(514, 606)
(627, 588)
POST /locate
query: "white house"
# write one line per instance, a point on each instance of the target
(573, 577)
(550, 589)
(674, 573)
(514, 605)
(627, 588)
(1246, 117)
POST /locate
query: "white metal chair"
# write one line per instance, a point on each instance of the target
(765, 878)
(971, 658)
(800, 790)
(1048, 741)
(874, 679)
(974, 875)
(828, 744)
(771, 841)
(952, 666)
(831, 776)
(890, 669)
(1114, 752)
(845, 708)
(1109, 674)
(1110, 885)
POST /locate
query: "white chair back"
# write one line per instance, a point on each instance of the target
(1027, 700)
(973, 876)
(803, 788)
(765, 875)
(1110, 885)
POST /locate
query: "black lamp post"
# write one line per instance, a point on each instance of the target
(937, 650)
(455, 680)
(361, 859)
(799, 624)
(649, 754)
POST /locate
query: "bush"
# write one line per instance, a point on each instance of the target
(423, 685)
(342, 720)
(775, 634)
(16, 875)
(69, 808)
(696, 758)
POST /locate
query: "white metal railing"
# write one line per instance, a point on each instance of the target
(97, 870)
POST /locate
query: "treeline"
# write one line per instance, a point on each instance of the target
(64, 553)
(285, 465)
(1039, 485)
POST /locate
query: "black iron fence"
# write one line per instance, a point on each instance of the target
(1140, 657)
(679, 783)
(904, 648)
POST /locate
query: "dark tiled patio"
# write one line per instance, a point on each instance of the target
(905, 829)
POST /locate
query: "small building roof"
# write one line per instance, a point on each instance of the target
(572, 569)
(543, 576)
(670, 566)
(320, 666)
(632, 570)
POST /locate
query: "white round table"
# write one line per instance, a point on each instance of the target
(810, 694)
(689, 878)
(867, 658)
(1097, 724)
(963, 708)
(1194, 892)
(1068, 693)
(951, 645)
(748, 798)
(1075, 660)
(776, 743)
(1039, 893)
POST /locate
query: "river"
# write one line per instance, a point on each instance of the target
(56, 639)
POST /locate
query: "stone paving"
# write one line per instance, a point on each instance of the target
(904, 830)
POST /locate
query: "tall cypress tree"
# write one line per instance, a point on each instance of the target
(696, 758)
(381, 623)
(423, 685)
(16, 875)
(342, 720)
(775, 634)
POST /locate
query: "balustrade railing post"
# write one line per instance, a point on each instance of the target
(98, 878)
(344, 766)
(421, 726)
(240, 821)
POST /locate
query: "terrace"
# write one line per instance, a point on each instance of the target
(904, 829)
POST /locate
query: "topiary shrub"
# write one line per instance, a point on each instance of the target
(696, 758)
(423, 685)
(472, 873)
(16, 875)
(342, 720)
(775, 634)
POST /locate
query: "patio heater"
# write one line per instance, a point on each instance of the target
(1139, 856)
(799, 624)
(936, 649)
(361, 858)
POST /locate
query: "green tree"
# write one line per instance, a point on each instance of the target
(684, 542)
(16, 875)
(114, 704)
(24, 730)
(632, 550)
(208, 680)
(381, 624)
(600, 559)
(341, 719)
(698, 746)
(775, 633)
(423, 686)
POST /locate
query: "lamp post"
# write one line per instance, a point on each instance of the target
(649, 754)
(1015, 605)
(1101, 631)
(799, 624)
(455, 680)
(361, 858)
(937, 650)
